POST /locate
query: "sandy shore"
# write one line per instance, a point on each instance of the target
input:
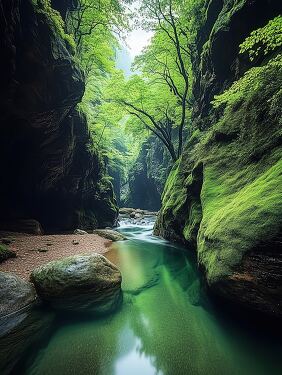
(33, 251)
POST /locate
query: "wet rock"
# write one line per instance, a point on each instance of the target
(126, 210)
(79, 231)
(15, 293)
(21, 321)
(79, 283)
(6, 253)
(110, 234)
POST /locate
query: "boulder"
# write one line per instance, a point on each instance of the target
(79, 231)
(22, 322)
(30, 226)
(15, 293)
(6, 253)
(110, 234)
(126, 210)
(81, 283)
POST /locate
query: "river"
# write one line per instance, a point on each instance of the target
(166, 325)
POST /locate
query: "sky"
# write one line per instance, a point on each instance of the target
(137, 40)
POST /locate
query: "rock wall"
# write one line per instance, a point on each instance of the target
(147, 178)
(223, 197)
(50, 170)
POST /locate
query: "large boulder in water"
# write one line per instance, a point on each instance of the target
(79, 283)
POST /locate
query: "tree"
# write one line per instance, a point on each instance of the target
(159, 97)
(89, 15)
(168, 56)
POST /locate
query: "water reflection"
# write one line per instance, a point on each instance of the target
(166, 325)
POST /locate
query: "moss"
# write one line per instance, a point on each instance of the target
(5, 253)
(238, 206)
(55, 20)
(174, 193)
(236, 220)
(230, 7)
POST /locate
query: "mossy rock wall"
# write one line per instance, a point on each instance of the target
(223, 197)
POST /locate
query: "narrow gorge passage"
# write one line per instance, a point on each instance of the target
(141, 187)
(166, 324)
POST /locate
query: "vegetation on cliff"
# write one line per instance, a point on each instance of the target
(223, 197)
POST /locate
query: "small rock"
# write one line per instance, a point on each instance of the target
(6, 241)
(110, 234)
(42, 250)
(80, 231)
(75, 242)
(49, 244)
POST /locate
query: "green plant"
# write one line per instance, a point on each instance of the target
(55, 20)
(264, 40)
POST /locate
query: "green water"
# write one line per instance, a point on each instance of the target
(166, 325)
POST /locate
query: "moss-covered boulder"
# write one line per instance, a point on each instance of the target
(81, 283)
(6, 253)
(110, 234)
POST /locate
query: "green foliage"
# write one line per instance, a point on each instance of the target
(241, 193)
(55, 20)
(252, 81)
(91, 17)
(264, 40)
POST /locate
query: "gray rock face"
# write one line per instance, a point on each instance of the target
(15, 293)
(79, 283)
(110, 234)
